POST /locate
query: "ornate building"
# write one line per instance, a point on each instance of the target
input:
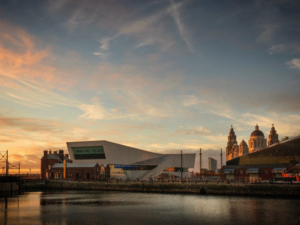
(273, 137)
(256, 142)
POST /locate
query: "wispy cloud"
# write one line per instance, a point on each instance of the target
(26, 100)
(94, 112)
(294, 64)
(268, 32)
(192, 100)
(277, 49)
(105, 43)
(100, 54)
(146, 42)
(182, 30)
(138, 26)
(79, 18)
(199, 130)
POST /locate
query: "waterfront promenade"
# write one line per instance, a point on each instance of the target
(176, 187)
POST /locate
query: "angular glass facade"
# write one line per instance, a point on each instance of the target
(91, 152)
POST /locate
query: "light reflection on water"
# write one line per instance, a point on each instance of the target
(100, 207)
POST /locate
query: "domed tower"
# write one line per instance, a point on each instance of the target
(230, 143)
(243, 148)
(273, 137)
(257, 140)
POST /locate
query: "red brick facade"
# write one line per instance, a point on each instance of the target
(49, 159)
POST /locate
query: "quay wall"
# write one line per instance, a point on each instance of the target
(196, 188)
(9, 186)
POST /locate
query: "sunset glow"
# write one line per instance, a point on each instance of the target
(162, 76)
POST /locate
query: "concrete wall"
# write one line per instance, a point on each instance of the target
(134, 174)
(196, 188)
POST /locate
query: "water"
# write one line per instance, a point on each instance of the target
(101, 207)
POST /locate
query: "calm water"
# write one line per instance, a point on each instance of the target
(99, 207)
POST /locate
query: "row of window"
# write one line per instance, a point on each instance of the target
(257, 144)
(88, 150)
(89, 156)
(266, 171)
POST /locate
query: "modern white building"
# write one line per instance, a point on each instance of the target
(128, 162)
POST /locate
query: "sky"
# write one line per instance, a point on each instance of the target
(161, 75)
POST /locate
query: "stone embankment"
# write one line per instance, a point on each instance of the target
(196, 188)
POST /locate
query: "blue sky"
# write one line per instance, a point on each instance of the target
(162, 75)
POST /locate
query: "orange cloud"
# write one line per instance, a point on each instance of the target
(26, 57)
(18, 50)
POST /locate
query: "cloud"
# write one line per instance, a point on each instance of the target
(268, 32)
(142, 26)
(105, 43)
(182, 31)
(146, 42)
(28, 59)
(31, 95)
(277, 49)
(79, 18)
(26, 100)
(192, 100)
(31, 125)
(94, 112)
(101, 55)
(200, 130)
(294, 64)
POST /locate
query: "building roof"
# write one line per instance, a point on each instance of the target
(75, 165)
(55, 156)
(282, 165)
(125, 155)
(243, 143)
(257, 132)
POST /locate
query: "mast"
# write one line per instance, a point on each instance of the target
(200, 162)
(221, 158)
(181, 166)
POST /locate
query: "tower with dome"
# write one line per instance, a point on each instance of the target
(257, 141)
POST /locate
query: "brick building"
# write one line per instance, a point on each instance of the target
(77, 171)
(49, 159)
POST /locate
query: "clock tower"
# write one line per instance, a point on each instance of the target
(230, 143)
(273, 137)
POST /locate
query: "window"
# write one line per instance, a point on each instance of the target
(49, 167)
(241, 172)
(91, 152)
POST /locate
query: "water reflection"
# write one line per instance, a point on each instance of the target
(99, 207)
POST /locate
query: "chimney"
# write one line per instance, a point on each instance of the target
(65, 169)
(55, 152)
(44, 167)
(67, 155)
(61, 155)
